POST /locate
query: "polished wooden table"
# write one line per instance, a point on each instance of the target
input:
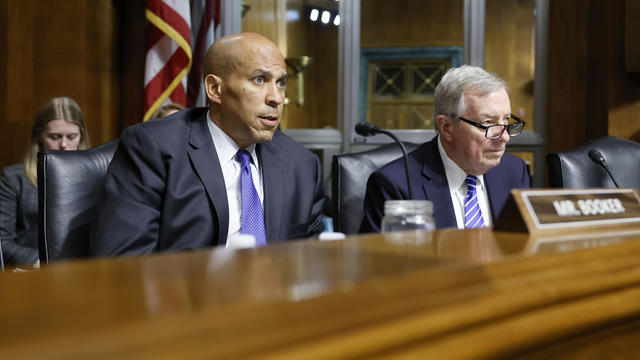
(443, 294)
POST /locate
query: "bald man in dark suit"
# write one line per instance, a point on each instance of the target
(175, 183)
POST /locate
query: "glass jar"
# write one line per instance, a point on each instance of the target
(402, 215)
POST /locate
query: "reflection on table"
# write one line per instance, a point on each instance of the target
(448, 293)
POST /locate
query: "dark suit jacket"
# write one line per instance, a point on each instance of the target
(429, 182)
(164, 189)
(18, 216)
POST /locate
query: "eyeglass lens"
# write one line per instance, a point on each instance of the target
(515, 128)
(495, 131)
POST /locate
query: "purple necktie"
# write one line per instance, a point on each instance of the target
(252, 217)
(472, 214)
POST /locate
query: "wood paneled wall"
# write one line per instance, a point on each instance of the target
(411, 23)
(93, 51)
(131, 40)
(590, 94)
(55, 48)
(297, 30)
(297, 36)
(322, 81)
(632, 29)
(510, 51)
(623, 100)
(267, 17)
(320, 42)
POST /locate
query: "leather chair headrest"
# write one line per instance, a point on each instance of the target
(350, 173)
(69, 188)
(574, 168)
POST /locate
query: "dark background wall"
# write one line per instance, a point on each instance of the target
(592, 91)
(93, 51)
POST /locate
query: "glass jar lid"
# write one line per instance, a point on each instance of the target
(398, 207)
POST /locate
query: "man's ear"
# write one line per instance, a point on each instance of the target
(213, 87)
(445, 126)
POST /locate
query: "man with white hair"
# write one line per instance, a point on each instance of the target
(464, 170)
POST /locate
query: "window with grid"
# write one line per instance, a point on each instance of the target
(400, 92)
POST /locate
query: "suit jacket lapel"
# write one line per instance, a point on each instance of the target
(492, 182)
(274, 183)
(436, 187)
(205, 161)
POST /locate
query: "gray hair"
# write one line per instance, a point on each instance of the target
(448, 99)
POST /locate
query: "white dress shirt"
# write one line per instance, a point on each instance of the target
(458, 189)
(227, 149)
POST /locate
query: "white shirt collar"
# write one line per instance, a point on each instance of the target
(226, 147)
(455, 174)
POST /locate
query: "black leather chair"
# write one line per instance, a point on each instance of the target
(69, 188)
(1, 257)
(349, 175)
(574, 168)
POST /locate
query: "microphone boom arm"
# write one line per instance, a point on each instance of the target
(610, 175)
(406, 159)
(597, 158)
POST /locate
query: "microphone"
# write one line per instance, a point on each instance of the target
(368, 129)
(597, 158)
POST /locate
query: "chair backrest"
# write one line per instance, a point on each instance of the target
(574, 168)
(1, 257)
(349, 175)
(70, 186)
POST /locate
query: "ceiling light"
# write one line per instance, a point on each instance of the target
(313, 16)
(325, 17)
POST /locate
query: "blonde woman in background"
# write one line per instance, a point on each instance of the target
(59, 125)
(166, 110)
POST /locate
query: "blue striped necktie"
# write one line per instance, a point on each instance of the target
(472, 214)
(252, 217)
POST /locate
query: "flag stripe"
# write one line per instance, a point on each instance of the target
(172, 68)
(153, 36)
(183, 39)
(158, 57)
(169, 53)
(216, 17)
(173, 63)
(165, 81)
(174, 21)
(195, 75)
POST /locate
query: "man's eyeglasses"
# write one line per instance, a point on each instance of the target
(495, 131)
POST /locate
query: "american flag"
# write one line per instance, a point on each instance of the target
(179, 33)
